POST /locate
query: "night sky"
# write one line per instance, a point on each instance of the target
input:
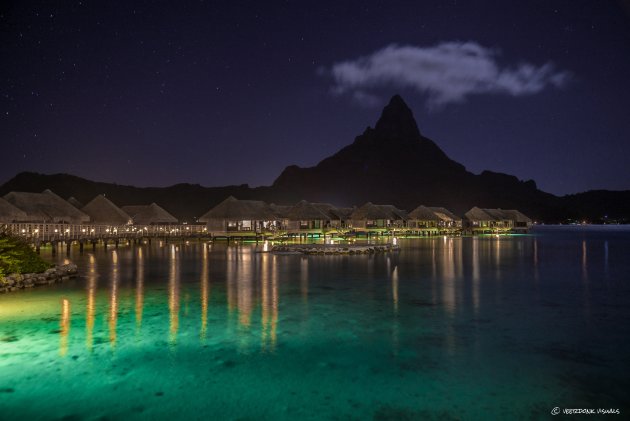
(216, 93)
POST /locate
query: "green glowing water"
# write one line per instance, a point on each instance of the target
(462, 328)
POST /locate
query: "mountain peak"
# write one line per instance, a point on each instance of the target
(397, 121)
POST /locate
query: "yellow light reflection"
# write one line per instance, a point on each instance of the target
(173, 296)
(395, 324)
(270, 300)
(91, 300)
(65, 327)
(139, 288)
(274, 302)
(230, 278)
(113, 301)
(205, 291)
(264, 277)
(244, 287)
(448, 275)
(475, 273)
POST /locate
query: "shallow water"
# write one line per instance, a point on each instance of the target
(446, 328)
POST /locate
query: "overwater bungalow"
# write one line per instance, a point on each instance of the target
(342, 217)
(10, 213)
(449, 222)
(397, 218)
(373, 218)
(306, 218)
(46, 207)
(151, 214)
(237, 218)
(339, 217)
(520, 222)
(485, 221)
(478, 221)
(103, 212)
(423, 221)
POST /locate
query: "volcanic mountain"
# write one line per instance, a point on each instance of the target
(392, 163)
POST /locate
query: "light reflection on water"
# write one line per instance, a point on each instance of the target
(444, 318)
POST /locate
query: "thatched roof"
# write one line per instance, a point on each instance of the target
(10, 213)
(103, 211)
(280, 211)
(74, 202)
(496, 214)
(342, 213)
(46, 207)
(517, 216)
(149, 214)
(393, 212)
(304, 210)
(444, 214)
(369, 211)
(234, 209)
(477, 214)
(327, 209)
(423, 213)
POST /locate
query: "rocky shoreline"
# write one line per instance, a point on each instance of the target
(16, 281)
(333, 248)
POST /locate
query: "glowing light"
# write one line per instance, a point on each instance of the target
(36, 231)
(65, 326)
(266, 246)
(23, 231)
(395, 241)
(67, 230)
(56, 230)
(83, 230)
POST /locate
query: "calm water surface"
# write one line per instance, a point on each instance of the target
(447, 328)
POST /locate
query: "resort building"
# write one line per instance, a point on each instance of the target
(10, 213)
(339, 218)
(46, 207)
(520, 222)
(378, 218)
(423, 221)
(486, 221)
(397, 218)
(151, 214)
(103, 212)
(233, 217)
(306, 218)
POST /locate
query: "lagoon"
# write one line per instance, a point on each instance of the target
(472, 328)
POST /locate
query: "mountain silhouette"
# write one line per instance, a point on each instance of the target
(392, 163)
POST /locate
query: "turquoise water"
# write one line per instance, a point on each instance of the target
(446, 328)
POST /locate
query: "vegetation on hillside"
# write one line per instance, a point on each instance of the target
(16, 256)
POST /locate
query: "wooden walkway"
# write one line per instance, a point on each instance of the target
(40, 234)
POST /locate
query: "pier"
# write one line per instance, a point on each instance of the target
(90, 235)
